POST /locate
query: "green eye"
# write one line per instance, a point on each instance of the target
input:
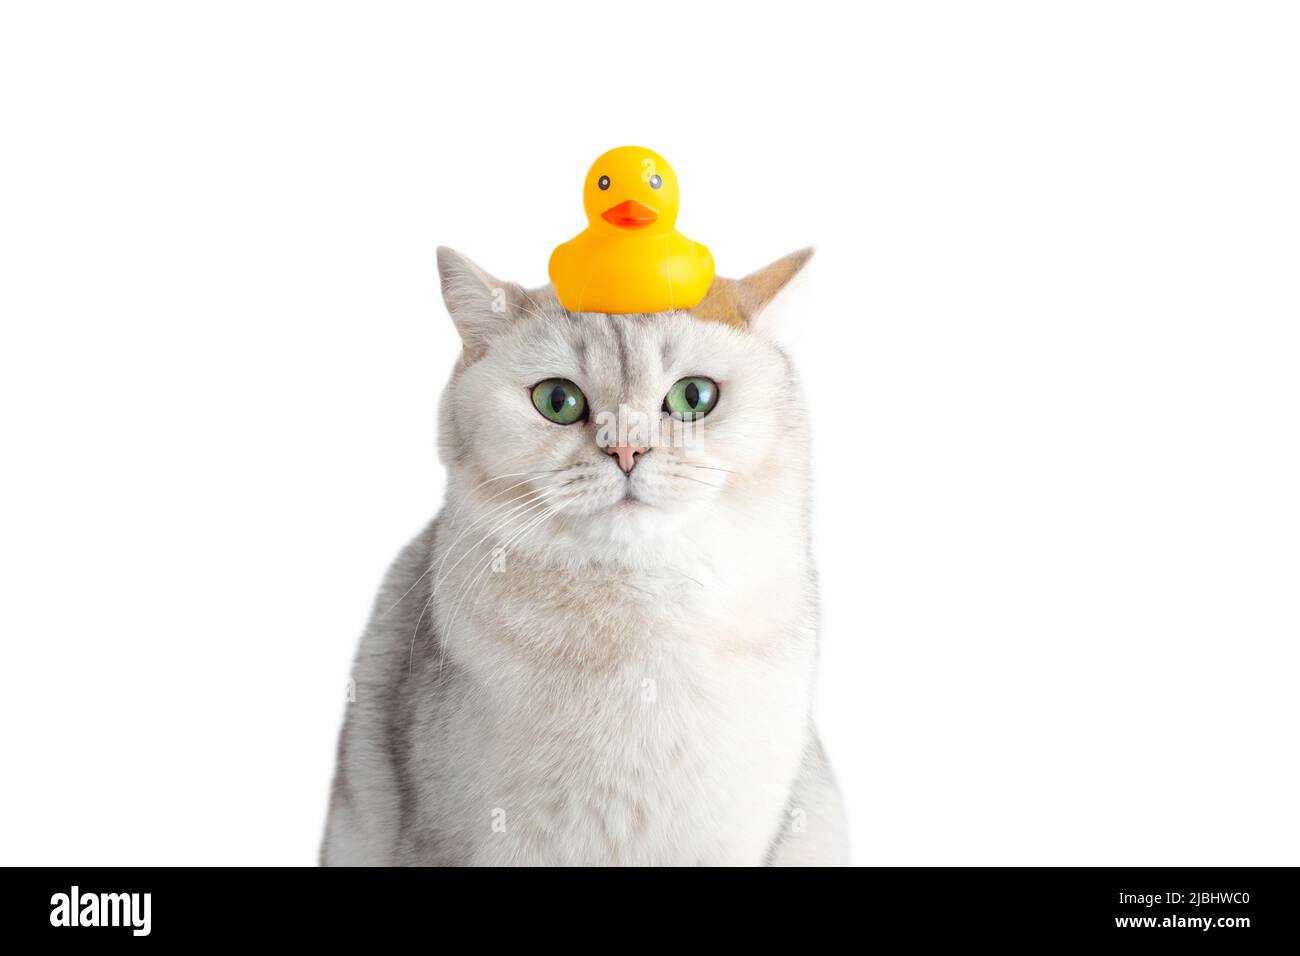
(692, 398)
(559, 400)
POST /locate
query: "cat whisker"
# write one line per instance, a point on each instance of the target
(696, 464)
(722, 485)
(536, 493)
(519, 512)
(472, 587)
(535, 501)
(516, 474)
(494, 510)
(466, 587)
(698, 481)
(732, 509)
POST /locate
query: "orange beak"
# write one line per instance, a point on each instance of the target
(629, 215)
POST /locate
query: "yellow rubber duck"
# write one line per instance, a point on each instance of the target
(630, 258)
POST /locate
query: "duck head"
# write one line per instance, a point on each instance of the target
(631, 190)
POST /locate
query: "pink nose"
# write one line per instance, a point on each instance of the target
(626, 456)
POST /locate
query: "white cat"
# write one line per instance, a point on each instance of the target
(602, 651)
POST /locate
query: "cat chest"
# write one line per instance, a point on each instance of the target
(639, 761)
(626, 725)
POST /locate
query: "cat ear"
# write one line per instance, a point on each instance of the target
(480, 305)
(739, 301)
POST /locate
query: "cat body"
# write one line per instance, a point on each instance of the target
(583, 663)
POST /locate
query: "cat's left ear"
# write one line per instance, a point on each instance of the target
(741, 302)
(480, 305)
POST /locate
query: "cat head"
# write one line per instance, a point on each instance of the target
(612, 432)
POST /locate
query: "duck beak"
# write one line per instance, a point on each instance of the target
(629, 215)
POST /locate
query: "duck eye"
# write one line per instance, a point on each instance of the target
(656, 181)
(559, 400)
(691, 398)
(603, 182)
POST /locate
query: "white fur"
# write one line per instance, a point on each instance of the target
(602, 682)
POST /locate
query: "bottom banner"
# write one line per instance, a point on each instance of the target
(1226, 907)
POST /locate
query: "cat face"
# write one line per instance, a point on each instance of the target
(616, 429)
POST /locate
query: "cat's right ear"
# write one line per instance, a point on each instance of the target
(480, 305)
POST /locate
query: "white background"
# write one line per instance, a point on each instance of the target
(1050, 342)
